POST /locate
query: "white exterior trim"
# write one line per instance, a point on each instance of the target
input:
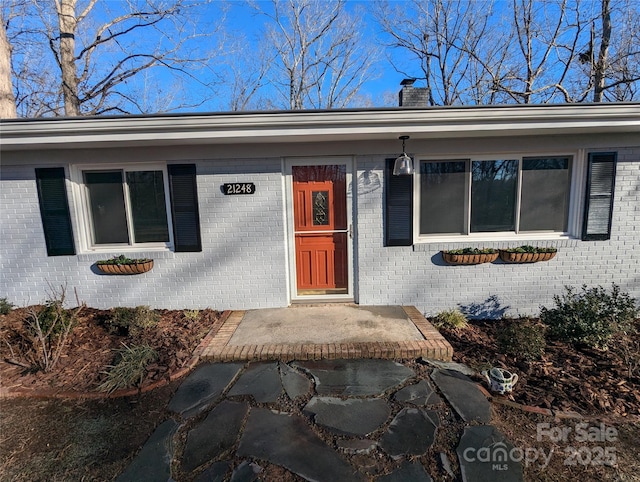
(576, 199)
(308, 126)
(290, 237)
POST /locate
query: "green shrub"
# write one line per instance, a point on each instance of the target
(450, 319)
(122, 259)
(530, 249)
(5, 306)
(131, 321)
(590, 317)
(523, 339)
(49, 328)
(129, 369)
(191, 315)
(472, 251)
(54, 319)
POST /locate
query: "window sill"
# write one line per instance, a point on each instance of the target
(491, 237)
(497, 241)
(152, 253)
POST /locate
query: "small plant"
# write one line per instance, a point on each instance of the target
(627, 345)
(450, 319)
(122, 259)
(129, 369)
(191, 315)
(590, 317)
(49, 329)
(5, 306)
(530, 249)
(131, 321)
(472, 251)
(523, 339)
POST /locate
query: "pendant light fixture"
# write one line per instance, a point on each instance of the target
(403, 165)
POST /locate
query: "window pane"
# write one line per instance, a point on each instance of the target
(320, 200)
(493, 195)
(148, 206)
(106, 197)
(442, 197)
(545, 194)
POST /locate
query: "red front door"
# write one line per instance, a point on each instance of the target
(320, 225)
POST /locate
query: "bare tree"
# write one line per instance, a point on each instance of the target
(447, 40)
(320, 58)
(245, 70)
(613, 54)
(528, 52)
(7, 98)
(100, 50)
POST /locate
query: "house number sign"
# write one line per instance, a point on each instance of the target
(239, 188)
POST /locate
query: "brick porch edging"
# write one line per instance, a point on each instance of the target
(7, 393)
(434, 346)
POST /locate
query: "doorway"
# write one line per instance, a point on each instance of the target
(320, 230)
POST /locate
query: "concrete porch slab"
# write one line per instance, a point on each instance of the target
(315, 332)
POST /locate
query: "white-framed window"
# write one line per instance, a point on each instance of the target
(124, 206)
(494, 196)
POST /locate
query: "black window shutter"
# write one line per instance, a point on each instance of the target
(598, 210)
(184, 207)
(54, 211)
(398, 218)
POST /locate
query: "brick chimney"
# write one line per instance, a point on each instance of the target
(410, 96)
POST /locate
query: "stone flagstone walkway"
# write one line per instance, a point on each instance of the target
(326, 420)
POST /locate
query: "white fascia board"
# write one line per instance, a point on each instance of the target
(307, 126)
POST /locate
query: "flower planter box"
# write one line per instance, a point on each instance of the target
(469, 258)
(509, 257)
(132, 268)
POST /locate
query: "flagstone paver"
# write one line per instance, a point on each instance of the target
(411, 432)
(485, 455)
(154, 460)
(215, 435)
(350, 397)
(355, 377)
(261, 381)
(463, 395)
(294, 383)
(420, 394)
(288, 441)
(408, 471)
(202, 387)
(353, 416)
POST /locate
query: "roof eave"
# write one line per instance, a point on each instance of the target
(310, 126)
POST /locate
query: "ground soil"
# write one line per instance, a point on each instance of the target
(567, 377)
(91, 349)
(74, 439)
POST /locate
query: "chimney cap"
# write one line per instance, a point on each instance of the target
(408, 82)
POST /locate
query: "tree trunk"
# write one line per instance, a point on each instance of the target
(67, 22)
(7, 99)
(599, 74)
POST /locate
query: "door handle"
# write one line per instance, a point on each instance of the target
(350, 231)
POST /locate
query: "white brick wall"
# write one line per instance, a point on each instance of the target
(416, 275)
(242, 264)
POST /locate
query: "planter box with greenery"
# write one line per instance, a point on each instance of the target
(527, 254)
(123, 265)
(470, 256)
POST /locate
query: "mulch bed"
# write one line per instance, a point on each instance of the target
(91, 349)
(567, 377)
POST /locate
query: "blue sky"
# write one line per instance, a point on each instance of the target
(242, 17)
